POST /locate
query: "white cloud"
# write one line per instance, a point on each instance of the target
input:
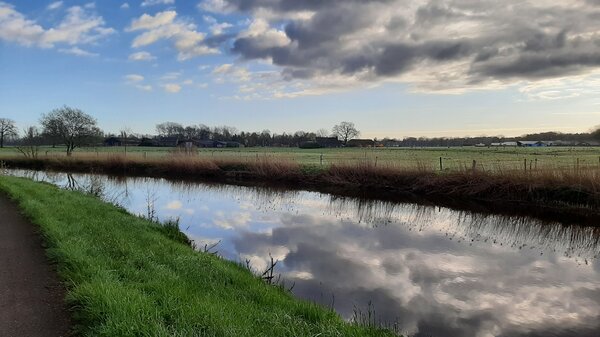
(157, 2)
(172, 88)
(77, 27)
(164, 26)
(77, 52)
(216, 28)
(231, 73)
(55, 5)
(125, 5)
(171, 76)
(150, 22)
(134, 78)
(15, 27)
(141, 56)
(216, 6)
(144, 87)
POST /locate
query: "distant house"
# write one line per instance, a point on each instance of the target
(504, 144)
(531, 143)
(112, 141)
(589, 143)
(216, 144)
(233, 144)
(149, 142)
(480, 145)
(564, 143)
(120, 141)
(360, 143)
(328, 142)
(168, 141)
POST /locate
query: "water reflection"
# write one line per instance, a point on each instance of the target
(434, 271)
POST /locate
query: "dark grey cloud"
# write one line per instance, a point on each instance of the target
(383, 39)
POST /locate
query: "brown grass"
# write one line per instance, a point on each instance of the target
(558, 187)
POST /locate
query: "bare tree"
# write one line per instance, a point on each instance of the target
(345, 131)
(72, 126)
(170, 129)
(322, 133)
(30, 142)
(7, 129)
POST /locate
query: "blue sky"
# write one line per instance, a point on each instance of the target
(394, 68)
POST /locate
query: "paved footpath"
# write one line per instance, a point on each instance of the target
(31, 296)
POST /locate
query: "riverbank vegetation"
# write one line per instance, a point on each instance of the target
(452, 158)
(125, 277)
(577, 186)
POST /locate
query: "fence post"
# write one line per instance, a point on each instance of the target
(536, 164)
(441, 165)
(376, 161)
(525, 164)
(474, 165)
(321, 159)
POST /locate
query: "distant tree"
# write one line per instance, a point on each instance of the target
(125, 132)
(596, 133)
(345, 131)
(203, 132)
(71, 126)
(29, 144)
(7, 129)
(170, 129)
(323, 133)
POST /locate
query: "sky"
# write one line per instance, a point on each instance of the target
(395, 68)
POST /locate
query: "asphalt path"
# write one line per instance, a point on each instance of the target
(31, 295)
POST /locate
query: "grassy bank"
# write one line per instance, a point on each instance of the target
(574, 188)
(127, 278)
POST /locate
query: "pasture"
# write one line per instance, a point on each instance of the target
(452, 158)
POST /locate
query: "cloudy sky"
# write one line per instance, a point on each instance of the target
(395, 68)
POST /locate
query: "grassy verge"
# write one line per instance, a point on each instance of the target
(575, 188)
(127, 278)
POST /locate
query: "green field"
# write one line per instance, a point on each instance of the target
(452, 158)
(128, 276)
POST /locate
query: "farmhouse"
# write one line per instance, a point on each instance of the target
(328, 142)
(121, 141)
(515, 144)
(168, 141)
(360, 143)
(531, 143)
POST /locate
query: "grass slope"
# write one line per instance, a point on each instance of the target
(127, 278)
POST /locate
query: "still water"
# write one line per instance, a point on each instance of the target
(432, 271)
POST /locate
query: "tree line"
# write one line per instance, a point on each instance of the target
(73, 128)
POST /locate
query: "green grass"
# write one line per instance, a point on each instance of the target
(127, 278)
(453, 158)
